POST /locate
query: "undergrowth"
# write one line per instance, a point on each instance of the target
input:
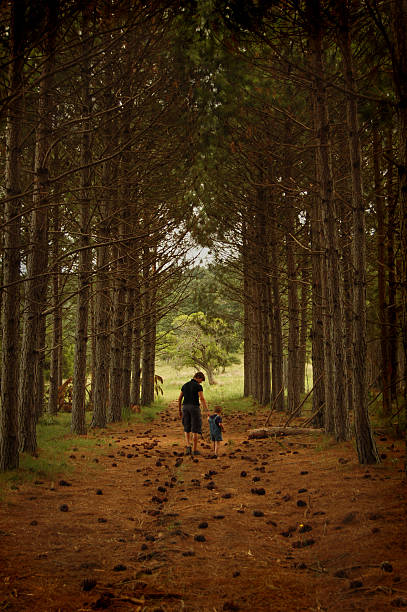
(56, 443)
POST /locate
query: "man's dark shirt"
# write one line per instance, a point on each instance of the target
(191, 390)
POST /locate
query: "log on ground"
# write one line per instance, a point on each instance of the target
(267, 432)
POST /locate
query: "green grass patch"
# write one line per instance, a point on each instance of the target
(228, 387)
(55, 443)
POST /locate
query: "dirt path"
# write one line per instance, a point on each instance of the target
(271, 524)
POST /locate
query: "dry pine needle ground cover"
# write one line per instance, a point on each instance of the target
(276, 524)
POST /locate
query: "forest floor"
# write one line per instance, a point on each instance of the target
(281, 524)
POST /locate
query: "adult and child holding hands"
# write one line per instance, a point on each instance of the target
(190, 399)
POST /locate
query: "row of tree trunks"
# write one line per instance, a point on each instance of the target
(262, 242)
(89, 101)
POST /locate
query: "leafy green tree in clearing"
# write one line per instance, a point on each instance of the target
(208, 294)
(203, 344)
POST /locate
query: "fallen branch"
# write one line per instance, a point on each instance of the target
(268, 432)
(273, 404)
(298, 409)
(312, 417)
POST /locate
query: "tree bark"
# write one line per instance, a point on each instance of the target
(118, 347)
(56, 314)
(303, 325)
(127, 349)
(381, 273)
(261, 247)
(248, 290)
(398, 12)
(100, 387)
(335, 377)
(136, 340)
(114, 413)
(366, 446)
(391, 267)
(30, 398)
(277, 337)
(9, 456)
(149, 326)
(293, 362)
(78, 424)
(317, 333)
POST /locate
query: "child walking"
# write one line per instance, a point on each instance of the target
(216, 428)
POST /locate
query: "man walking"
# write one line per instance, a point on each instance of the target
(190, 412)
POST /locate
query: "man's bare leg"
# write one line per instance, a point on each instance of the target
(187, 439)
(195, 441)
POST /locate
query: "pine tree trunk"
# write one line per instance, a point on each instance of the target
(127, 344)
(348, 289)
(136, 342)
(128, 306)
(366, 447)
(398, 11)
(100, 387)
(93, 344)
(255, 331)
(78, 424)
(263, 387)
(266, 308)
(303, 328)
(30, 398)
(381, 274)
(116, 360)
(149, 327)
(391, 267)
(9, 457)
(100, 391)
(317, 333)
(120, 289)
(336, 391)
(250, 332)
(293, 396)
(277, 338)
(56, 313)
(247, 337)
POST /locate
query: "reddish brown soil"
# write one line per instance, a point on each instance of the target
(328, 534)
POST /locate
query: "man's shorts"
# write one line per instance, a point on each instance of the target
(191, 418)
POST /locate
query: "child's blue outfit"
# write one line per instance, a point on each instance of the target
(214, 427)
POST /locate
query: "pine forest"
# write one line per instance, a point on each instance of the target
(208, 185)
